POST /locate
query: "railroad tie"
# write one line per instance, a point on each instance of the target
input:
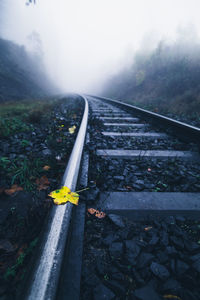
(112, 114)
(136, 134)
(126, 124)
(138, 205)
(158, 154)
(120, 118)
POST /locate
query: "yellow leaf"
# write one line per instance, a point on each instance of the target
(72, 129)
(63, 195)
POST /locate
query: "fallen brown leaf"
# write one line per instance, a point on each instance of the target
(46, 168)
(148, 228)
(42, 183)
(14, 188)
(128, 187)
(91, 211)
(97, 213)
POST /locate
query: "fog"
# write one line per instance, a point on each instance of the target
(84, 42)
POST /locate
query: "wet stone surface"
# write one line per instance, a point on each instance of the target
(141, 259)
(139, 143)
(146, 128)
(171, 175)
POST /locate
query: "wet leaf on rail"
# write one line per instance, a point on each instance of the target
(72, 129)
(64, 195)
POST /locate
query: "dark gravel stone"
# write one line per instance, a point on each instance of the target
(177, 242)
(162, 257)
(159, 271)
(139, 182)
(115, 274)
(181, 267)
(46, 152)
(117, 220)
(122, 268)
(123, 234)
(92, 280)
(101, 292)
(154, 240)
(116, 250)
(171, 250)
(116, 287)
(189, 295)
(101, 267)
(164, 239)
(118, 178)
(170, 220)
(195, 257)
(146, 293)
(137, 277)
(171, 285)
(89, 277)
(132, 251)
(109, 239)
(196, 265)
(137, 186)
(191, 246)
(180, 219)
(144, 260)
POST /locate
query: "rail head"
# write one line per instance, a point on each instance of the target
(46, 272)
(180, 128)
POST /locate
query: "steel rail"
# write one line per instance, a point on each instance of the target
(47, 269)
(182, 129)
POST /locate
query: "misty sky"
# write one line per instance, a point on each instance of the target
(86, 41)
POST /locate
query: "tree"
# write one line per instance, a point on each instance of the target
(30, 2)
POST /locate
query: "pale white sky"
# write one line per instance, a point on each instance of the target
(84, 41)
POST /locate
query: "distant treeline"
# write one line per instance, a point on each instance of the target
(22, 74)
(167, 79)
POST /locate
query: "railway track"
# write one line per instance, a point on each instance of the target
(143, 172)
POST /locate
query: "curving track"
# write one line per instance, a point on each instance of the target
(130, 136)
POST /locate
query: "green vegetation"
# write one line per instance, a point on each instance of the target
(167, 80)
(26, 126)
(20, 116)
(25, 172)
(11, 271)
